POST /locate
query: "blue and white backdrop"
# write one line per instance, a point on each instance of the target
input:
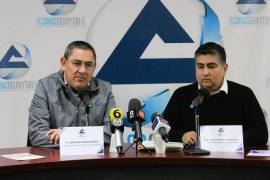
(144, 48)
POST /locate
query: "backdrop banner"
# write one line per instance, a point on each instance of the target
(145, 48)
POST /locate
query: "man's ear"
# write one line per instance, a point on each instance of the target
(95, 65)
(63, 62)
(225, 67)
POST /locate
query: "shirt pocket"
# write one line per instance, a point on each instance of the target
(62, 114)
(97, 113)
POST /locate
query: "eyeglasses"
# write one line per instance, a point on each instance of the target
(78, 64)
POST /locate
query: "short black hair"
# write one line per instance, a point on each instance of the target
(80, 45)
(211, 48)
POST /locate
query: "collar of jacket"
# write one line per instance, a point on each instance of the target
(94, 86)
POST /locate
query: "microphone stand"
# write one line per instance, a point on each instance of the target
(197, 149)
(197, 127)
(87, 110)
(133, 114)
(136, 142)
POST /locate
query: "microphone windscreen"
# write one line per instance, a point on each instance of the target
(134, 104)
(203, 92)
(84, 94)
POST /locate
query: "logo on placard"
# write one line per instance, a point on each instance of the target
(82, 133)
(250, 10)
(221, 132)
(153, 42)
(15, 60)
(59, 9)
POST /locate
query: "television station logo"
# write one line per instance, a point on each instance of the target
(15, 62)
(250, 11)
(58, 11)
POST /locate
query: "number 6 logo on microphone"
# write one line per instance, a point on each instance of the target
(116, 116)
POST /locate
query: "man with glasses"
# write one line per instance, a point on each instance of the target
(56, 101)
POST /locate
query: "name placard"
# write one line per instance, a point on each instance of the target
(227, 138)
(82, 140)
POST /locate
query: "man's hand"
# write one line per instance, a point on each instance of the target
(189, 138)
(54, 135)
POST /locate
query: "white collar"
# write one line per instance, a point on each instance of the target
(65, 80)
(224, 87)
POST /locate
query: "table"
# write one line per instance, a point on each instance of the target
(172, 165)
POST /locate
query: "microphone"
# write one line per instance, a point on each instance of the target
(136, 116)
(117, 127)
(84, 95)
(161, 126)
(201, 95)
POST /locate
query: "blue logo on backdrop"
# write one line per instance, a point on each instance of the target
(125, 64)
(59, 7)
(248, 7)
(210, 25)
(15, 60)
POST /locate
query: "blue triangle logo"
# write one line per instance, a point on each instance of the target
(12, 52)
(124, 66)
